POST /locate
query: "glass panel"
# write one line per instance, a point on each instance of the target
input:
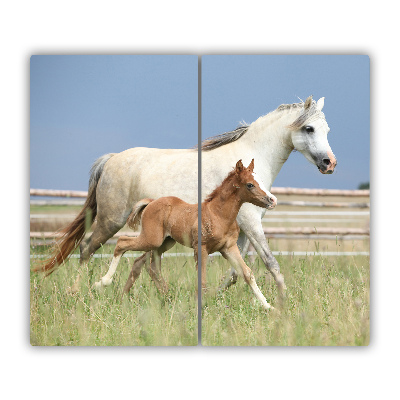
(84, 107)
(322, 257)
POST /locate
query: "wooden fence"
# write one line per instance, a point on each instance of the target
(271, 232)
(274, 190)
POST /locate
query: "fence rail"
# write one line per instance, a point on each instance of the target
(322, 204)
(274, 190)
(217, 254)
(319, 192)
(311, 232)
(267, 232)
(281, 203)
(57, 193)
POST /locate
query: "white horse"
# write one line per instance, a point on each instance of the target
(118, 181)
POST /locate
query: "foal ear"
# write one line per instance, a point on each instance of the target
(251, 165)
(308, 102)
(239, 167)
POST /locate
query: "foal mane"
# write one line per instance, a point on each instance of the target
(218, 189)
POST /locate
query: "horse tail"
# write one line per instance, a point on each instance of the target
(136, 214)
(73, 234)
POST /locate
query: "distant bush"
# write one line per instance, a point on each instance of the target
(363, 186)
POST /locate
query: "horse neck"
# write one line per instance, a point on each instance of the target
(227, 202)
(273, 142)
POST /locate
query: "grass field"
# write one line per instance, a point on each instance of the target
(102, 318)
(327, 304)
(327, 298)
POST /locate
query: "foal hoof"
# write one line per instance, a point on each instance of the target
(102, 283)
(73, 289)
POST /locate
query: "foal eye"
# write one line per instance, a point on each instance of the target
(309, 129)
(250, 185)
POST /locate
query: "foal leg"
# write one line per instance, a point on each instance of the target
(154, 269)
(124, 244)
(233, 256)
(135, 271)
(249, 219)
(204, 258)
(231, 277)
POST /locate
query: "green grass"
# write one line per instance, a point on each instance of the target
(327, 301)
(327, 304)
(101, 318)
(56, 209)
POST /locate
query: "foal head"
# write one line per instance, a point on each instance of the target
(250, 187)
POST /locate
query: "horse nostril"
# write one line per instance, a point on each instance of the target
(326, 161)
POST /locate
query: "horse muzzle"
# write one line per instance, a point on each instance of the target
(327, 164)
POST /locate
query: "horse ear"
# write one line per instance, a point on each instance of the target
(308, 102)
(251, 165)
(320, 103)
(239, 166)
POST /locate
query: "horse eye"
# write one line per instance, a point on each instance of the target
(250, 185)
(309, 129)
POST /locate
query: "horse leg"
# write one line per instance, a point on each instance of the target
(250, 223)
(100, 235)
(233, 256)
(257, 238)
(251, 249)
(259, 242)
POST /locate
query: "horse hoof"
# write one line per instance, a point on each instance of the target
(272, 309)
(97, 285)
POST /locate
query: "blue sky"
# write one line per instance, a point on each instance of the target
(84, 106)
(237, 88)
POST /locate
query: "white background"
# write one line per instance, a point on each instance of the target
(207, 27)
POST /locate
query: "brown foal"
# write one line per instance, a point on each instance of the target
(169, 219)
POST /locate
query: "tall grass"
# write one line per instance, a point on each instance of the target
(327, 304)
(327, 299)
(102, 318)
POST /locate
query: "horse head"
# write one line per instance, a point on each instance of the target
(309, 133)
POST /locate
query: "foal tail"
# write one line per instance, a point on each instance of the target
(73, 234)
(136, 214)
